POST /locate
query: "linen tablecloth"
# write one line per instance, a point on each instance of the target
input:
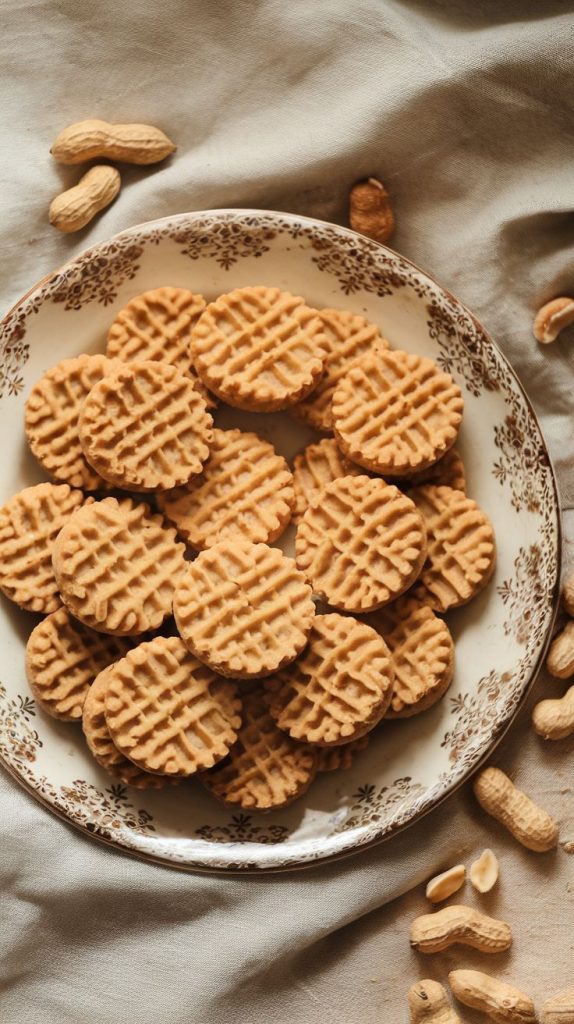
(464, 109)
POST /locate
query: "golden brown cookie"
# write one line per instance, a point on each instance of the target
(338, 689)
(447, 472)
(244, 609)
(244, 491)
(265, 768)
(362, 544)
(349, 337)
(461, 547)
(63, 658)
(117, 565)
(29, 525)
(52, 419)
(315, 467)
(396, 413)
(145, 427)
(334, 759)
(423, 654)
(167, 711)
(156, 326)
(259, 348)
(103, 748)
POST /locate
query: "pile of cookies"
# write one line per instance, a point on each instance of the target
(184, 642)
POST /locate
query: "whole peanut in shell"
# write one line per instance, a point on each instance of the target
(528, 823)
(127, 143)
(73, 209)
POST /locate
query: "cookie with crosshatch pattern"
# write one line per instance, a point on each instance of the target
(349, 337)
(52, 418)
(103, 748)
(334, 759)
(63, 657)
(265, 768)
(30, 521)
(362, 544)
(145, 427)
(422, 650)
(168, 712)
(315, 467)
(116, 566)
(156, 326)
(339, 687)
(245, 490)
(449, 471)
(396, 412)
(259, 348)
(461, 547)
(244, 609)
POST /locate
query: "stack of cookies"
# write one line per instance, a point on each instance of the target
(184, 642)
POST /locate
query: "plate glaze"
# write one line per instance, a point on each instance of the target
(501, 637)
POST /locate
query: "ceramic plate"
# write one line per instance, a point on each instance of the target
(500, 637)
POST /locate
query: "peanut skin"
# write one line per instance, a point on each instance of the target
(73, 209)
(370, 210)
(527, 822)
(128, 143)
(559, 1009)
(554, 719)
(428, 1001)
(501, 1002)
(432, 933)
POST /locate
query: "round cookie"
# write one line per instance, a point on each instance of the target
(145, 427)
(29, 524)
(102, 746)
(259, 348)
(396, 413)
(156, 326)
(423, 654)
(117, 565)
(265, 768)
(338, 689)
(362, 545)
(315, 467)
(245, 491)
(449, 471)
(167, 711)
(63, 657)
(244, 609)
(461, 547)
(52, 419)
(349, 337)
(334, 759)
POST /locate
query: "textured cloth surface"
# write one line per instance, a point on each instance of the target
(464, 109)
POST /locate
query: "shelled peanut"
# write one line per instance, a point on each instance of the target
(552, 318)
(483, 872)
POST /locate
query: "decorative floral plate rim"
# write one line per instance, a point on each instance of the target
(167, 227)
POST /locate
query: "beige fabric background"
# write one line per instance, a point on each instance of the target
(465, 110)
